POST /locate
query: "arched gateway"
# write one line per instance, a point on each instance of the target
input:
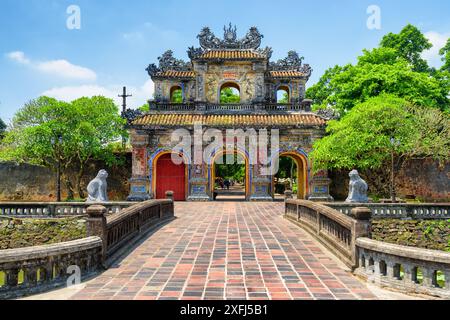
(256, 120)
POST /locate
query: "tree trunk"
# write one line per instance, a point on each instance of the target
(69, 188)
(79, 177)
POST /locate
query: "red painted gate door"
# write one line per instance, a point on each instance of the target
(170, 176)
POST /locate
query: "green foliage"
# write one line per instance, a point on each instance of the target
(144, 108)
(409, 43)
(377, 72)
(177, 96)
(86, 126)
(362, 138)
(235, 170)
(396, 67)
(445, 53)
(285, 98)
(227, 95)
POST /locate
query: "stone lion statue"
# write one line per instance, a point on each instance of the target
(97, 188)
(357, 189)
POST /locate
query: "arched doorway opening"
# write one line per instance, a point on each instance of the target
(283, 95)
(176, 94)
(292, 175)
(229, 93)
(229, 179)
(170, 175)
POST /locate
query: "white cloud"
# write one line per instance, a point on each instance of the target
(70, 93)
(438, 40)
(18, 56)
(65, 69)
(61, 68)
(74, 92)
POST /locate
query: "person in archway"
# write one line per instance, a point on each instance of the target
(227, 184)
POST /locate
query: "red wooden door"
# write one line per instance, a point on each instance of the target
(170, 176)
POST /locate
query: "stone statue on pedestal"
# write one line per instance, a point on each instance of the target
(97, 188)
(357, 189)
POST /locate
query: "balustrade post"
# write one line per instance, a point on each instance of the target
(169, 196)
(390, 265)
(362, 227)
(447, 280)
(428, 277)
(409, 275)
(31, 276)
(12, 278)
(287, 194)
(96, 226)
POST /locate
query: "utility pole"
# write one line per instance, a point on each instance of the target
(124, 97)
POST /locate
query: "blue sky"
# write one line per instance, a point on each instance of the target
(118, 39)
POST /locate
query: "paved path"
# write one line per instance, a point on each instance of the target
(227, 250)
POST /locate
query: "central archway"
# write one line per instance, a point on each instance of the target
(222, 191)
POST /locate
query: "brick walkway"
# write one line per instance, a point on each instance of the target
(227, 250)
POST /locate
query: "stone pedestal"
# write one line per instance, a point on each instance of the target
(139, 181)
(320, 188)
(260, 189)
(138, 189)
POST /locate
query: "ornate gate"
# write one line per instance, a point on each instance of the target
(170, 176)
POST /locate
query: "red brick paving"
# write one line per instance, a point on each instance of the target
(227, 250)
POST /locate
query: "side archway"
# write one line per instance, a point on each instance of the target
(301, 163)
(168, 175)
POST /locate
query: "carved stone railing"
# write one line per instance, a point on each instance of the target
(305, 105)
(32, 270)
(163, 106)
(54, 209)
(409, 269)
(398, 210)
(119, 230)
(337, 231)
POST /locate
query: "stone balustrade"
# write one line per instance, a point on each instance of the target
(398, 210)
(408, 269)
(119, 230)
(36, 269)
(335, 230)
(54, 209)
(219, 107)
(32, 270)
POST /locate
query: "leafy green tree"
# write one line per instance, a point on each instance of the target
(227, 95)
(47, 131)
(144, 108)
(445, 53)
(380, 71)
(362, 138)
(409, 43)
(177, 96)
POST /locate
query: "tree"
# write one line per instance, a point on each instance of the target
(177, 96)
(86, 126)
(409, 43)
(144, 108)
(445, 53)
(380, 71)
(227, 95)
(362, 138)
